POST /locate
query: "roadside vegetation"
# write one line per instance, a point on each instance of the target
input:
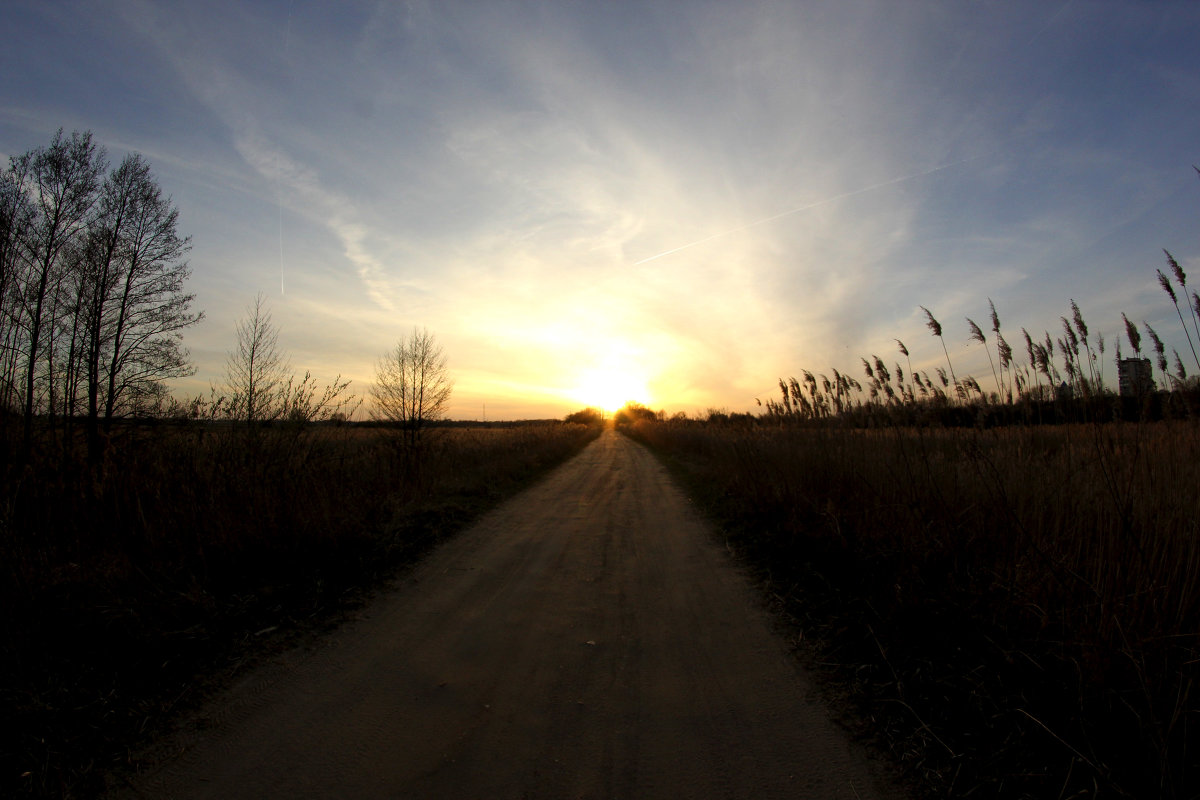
(1005, 582)
(147, 543)
(124, 585)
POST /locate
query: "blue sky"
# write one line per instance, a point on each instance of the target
(672, 202)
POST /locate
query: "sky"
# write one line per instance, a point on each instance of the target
(675, 203)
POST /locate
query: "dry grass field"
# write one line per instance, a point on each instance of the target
(1017, 607)
(195, 543)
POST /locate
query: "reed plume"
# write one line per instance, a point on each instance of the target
(1135, 338)
(977, 336)
(1159, 348)
(1181, 277)
(911, 374)
(1032, 355)
(1003, 351)
(1082, 328)
(936, 327)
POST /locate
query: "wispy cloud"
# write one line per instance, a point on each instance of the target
(306, 195)
(712, 195)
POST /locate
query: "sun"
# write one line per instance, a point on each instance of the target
(609, 388)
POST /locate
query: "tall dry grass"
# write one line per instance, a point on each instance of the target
(123, 582)
(1021, 604)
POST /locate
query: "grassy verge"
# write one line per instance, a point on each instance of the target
(190, 546)
(1015, 608)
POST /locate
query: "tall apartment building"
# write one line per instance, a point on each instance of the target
(1135, 378)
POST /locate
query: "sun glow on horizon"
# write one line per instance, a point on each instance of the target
(610, 387)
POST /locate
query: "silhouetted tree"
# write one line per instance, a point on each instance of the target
(151, 308)
(255, 370)
(412, 385)
(257, 385)
(586, 416)
(131, 298)
(632, 412)
(16, 222)
(62, 180)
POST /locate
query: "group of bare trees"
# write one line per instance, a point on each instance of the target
(92, 295)
(412, 384)
(93, 307)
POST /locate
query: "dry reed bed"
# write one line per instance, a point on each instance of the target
(193, 542)
(1020, 603)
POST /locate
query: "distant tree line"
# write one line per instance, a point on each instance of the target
(92, 288)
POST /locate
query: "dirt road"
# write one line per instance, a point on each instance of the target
(587, 639)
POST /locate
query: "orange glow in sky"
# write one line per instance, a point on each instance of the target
(590, 204)
(610, 385)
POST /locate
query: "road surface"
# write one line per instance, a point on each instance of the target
(586, 639)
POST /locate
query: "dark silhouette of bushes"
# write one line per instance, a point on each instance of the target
(586, 416)
(632, 412)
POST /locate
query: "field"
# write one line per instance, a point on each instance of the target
(1011, 608)
(196, 544)
(1014, 608)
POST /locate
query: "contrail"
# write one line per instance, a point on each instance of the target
(797, 210)
(287, 30)
(279, 198)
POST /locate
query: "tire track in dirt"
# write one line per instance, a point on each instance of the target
(585, 639)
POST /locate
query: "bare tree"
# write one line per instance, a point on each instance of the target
(255, 372)
(17, 215)
(63, 180)
(142, 329)
(257, 385)
(412, 385)
(127, 305)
